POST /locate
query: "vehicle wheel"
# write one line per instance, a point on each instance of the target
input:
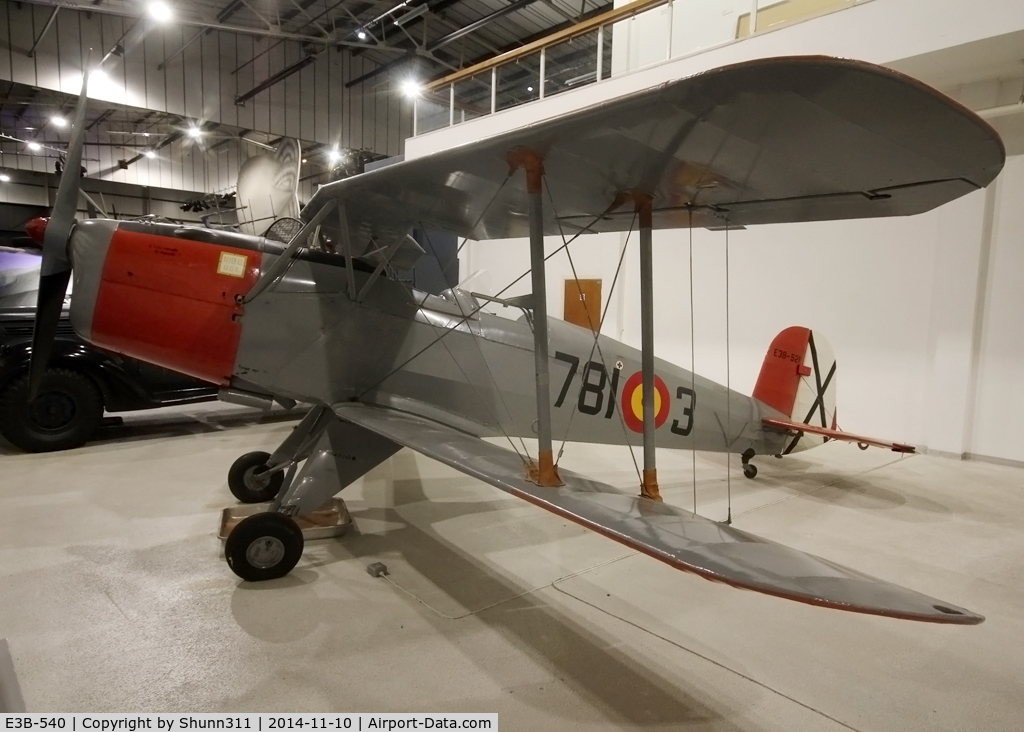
(264, 546)
(65, 414)
(248, 480)
(750, 470)
(863, 445)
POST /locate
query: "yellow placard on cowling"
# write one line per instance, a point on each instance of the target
(232, 265)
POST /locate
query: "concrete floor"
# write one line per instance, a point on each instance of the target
(114, 595)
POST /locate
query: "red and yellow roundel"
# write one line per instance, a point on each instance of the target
(632, 402)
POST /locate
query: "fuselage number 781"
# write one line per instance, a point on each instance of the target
(592, 391)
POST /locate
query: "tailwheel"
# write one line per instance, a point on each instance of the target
(249, 481)
(748, 470)
(264, 546)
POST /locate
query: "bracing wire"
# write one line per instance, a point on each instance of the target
(487, 367)
(728, 390)
(597, 344)
(454, 326)
(693, 365)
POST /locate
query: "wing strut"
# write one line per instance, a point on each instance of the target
(643, 204)
(649, 487)
(544, 473)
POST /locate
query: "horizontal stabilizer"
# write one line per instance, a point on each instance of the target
(673, 535)
(786, 425)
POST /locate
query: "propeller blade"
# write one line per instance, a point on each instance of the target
(55, 270)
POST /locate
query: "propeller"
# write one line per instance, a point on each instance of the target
(55, 271)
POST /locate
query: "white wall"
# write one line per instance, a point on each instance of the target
(997, 429)
(896, 298)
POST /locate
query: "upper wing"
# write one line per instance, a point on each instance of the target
(766, 141)
(675, 536)
(786, 425)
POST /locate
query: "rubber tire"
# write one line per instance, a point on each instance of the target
(76, 393)
(863, 445)
(750, 471)
(241, 479)
(263, 526)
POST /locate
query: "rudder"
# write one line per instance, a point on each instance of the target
(798, 378)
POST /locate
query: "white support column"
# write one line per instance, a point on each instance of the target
(543, 70)
(668, 23)
(600, 52)
(494, 88)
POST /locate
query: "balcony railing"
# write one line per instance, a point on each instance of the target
(625, 39)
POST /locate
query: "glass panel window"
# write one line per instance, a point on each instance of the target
(571, 64)
(432, 110)
(473, 97)
(518, 82)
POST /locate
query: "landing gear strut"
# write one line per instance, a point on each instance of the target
(268, 545)
(748, 470)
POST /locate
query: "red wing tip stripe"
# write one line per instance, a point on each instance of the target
(837, 434)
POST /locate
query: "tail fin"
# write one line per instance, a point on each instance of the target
(798, 378)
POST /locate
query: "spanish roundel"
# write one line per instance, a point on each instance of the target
(632, 402)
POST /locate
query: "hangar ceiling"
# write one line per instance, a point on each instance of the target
(431, 36)
(328, 72)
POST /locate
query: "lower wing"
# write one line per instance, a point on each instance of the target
(673, 535)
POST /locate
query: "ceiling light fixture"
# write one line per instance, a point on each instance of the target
(4, 178)
(59, 121)
(411, 88)
(361, 34)
(194, 132)
(160, 11)
(35, 146)
(149, 154)
(334, 155)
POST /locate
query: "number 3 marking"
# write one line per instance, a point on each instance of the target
(687, 412)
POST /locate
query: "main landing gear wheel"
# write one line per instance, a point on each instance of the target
(249, 481)
(863, 445)
(264, 546)
(750, 470)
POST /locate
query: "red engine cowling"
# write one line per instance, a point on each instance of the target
(173, 302)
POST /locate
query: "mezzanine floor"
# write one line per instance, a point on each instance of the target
(114, 595)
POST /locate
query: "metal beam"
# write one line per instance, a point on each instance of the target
(278, 77)
(160, 66)
(407, 56)
(241, 30)
(476, 25)
(49, 22)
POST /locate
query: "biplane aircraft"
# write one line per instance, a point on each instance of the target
(307, 312)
